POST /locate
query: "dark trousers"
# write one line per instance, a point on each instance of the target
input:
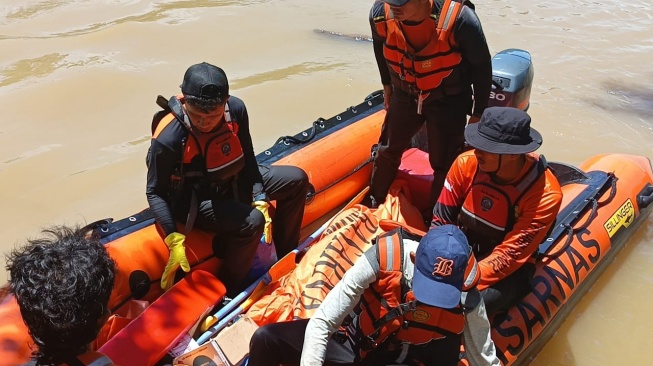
(281, 344)
(510, 290)
(445, 120)
(239, 227)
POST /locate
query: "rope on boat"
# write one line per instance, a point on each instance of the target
(571, 230)
(287, 140)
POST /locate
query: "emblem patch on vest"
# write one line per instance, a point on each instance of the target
(226, 149)
(427, 64)
(420, 315)
(443, 267)
(486, 204)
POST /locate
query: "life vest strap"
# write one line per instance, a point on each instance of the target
(394, 313)
(192, 212)
(444, 332)
(448, 15)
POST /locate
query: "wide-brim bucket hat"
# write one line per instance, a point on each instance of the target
(503, 130)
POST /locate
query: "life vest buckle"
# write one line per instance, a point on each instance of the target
(371, 342)
(176, 182)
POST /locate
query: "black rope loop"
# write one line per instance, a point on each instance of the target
(287, 140)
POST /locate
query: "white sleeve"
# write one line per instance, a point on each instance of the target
(339, 302)
(479, 347)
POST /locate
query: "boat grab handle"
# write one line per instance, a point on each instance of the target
(645, 197)
(571, 230)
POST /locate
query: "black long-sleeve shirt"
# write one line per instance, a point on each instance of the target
(166, 154)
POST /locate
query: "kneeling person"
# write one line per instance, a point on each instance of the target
(202, 171)
(405, 298)
(505, 199)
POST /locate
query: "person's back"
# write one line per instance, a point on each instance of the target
(408, 295)
(392, 317)
(62, 283)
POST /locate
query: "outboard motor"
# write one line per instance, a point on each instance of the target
(512, 78)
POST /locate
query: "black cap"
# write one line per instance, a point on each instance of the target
(205, 81)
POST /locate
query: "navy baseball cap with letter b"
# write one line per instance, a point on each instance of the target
(444, 267)
(396, 2)
(205, 81)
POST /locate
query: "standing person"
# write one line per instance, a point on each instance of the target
(202, 171)
(505, 200)
(430, 53)
(406, 296)
(62, 283)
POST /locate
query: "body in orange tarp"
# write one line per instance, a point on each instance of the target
(299, 293)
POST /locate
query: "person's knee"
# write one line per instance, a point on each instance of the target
(299, 180)
(388, 155)
(262, 337)
(255, 222)
(302, 179)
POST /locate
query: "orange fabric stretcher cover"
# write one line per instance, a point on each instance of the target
(300, 292)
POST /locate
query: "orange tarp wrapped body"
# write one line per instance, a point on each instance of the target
(299, 293)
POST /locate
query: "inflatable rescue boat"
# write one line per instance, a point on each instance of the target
(605, 199)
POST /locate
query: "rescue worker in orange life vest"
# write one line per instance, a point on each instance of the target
(406, 293)
(430, 54)
(202, 172)
(505, 200)
(62, 283)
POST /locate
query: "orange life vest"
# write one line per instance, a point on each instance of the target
(217, 155)
(422, 70)
(491, 210)
(390, 311)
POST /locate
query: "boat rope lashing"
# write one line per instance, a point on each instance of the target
(613, 190)
(571, 230)
(96, 228)
(287, 140)
(318, 123)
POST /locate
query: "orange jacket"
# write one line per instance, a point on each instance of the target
(505, 224)
(390, 314)
(423, 69)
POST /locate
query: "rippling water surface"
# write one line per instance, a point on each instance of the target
(78, 80)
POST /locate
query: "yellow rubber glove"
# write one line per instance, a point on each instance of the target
(264, 208)
(175, 243)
